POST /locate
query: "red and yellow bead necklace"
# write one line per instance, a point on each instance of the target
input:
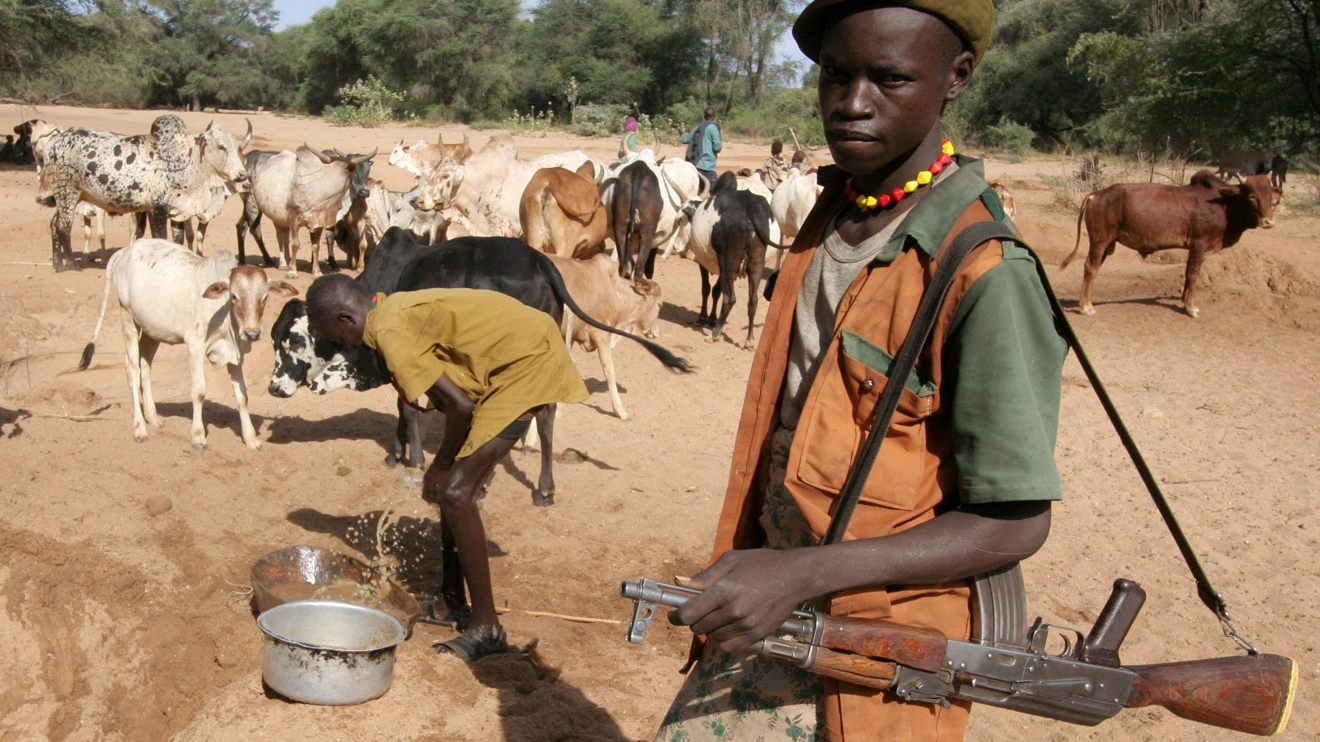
(885, 200)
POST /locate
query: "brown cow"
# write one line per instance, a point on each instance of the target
(632, 306)
(1202, 217)
(561, 212)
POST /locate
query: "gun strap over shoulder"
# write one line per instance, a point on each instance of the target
(922, 324)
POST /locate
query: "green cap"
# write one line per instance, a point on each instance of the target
(970, 19)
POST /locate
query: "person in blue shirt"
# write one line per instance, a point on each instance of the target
(703, 144)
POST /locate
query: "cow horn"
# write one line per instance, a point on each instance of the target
(247, 138)
(319, 154)
(365, 158)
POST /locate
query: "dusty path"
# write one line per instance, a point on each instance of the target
(122, 625)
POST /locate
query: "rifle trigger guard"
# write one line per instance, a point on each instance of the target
(918, 687)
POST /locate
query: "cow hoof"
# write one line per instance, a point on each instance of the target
(254, 445)
(270, 263)
(1193, 312)
(391, 461)
(199, 447)
(140, 438)
(1088, 310)
(291, 275)
(543, 500)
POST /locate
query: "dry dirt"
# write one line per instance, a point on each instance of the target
(122, 622)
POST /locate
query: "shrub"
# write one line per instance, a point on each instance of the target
(1008, 139)
(365, 103)
(600, 120)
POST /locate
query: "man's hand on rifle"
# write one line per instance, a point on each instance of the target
(747, 596)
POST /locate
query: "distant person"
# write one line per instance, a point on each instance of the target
(628, 142)
(775, 167)
(703, 144)
(488, 362)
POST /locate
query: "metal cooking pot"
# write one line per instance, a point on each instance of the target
(328, 652)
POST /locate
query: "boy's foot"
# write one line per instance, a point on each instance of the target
(475, 644)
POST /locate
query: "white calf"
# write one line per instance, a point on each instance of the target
(211, 305)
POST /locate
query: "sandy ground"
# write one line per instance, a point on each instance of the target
(121, 624)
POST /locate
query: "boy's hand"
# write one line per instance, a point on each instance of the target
(747, 595)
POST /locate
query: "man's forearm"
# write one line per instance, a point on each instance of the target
(954, 545)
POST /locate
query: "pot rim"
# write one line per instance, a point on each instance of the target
(399, 630)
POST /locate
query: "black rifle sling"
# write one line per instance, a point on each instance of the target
(919, 333)
(1204, 590)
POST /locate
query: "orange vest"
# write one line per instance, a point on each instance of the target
(913, 478)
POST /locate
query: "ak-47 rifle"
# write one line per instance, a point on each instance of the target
(1006, 664)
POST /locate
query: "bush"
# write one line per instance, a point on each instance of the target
(786, 114)
(366, 103)
(1008, 139)
(601, 120)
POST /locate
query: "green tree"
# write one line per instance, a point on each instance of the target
(204, 54)
(458, 53)
(627, 52)
(1026, 77)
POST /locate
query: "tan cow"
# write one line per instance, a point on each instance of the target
(487, 187)
(632, 306)
(561, 212)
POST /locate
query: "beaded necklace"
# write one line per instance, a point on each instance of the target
(885, 200)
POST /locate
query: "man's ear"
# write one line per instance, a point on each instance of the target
(960, 75)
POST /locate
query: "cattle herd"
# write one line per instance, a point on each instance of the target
(558, 231)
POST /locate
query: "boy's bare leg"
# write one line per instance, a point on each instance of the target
(456, 490)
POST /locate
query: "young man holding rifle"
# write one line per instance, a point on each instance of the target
(963, 483)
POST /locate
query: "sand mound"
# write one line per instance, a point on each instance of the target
(1251, 270)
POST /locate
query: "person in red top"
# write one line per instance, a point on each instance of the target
(963, 483)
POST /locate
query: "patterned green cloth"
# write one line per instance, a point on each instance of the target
(750, 698)
(746, 698)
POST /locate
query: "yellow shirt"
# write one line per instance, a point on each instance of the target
(507, 357)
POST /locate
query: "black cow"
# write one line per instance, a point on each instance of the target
(1278, 172)
(635, 218)
(399, 263)
(1244, 163)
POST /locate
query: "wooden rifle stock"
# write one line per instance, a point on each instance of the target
(1244, 693)
(912, 646)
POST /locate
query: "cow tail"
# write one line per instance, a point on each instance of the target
(1081, 214)
(761, 225)
(86, 359)
(556, 282)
